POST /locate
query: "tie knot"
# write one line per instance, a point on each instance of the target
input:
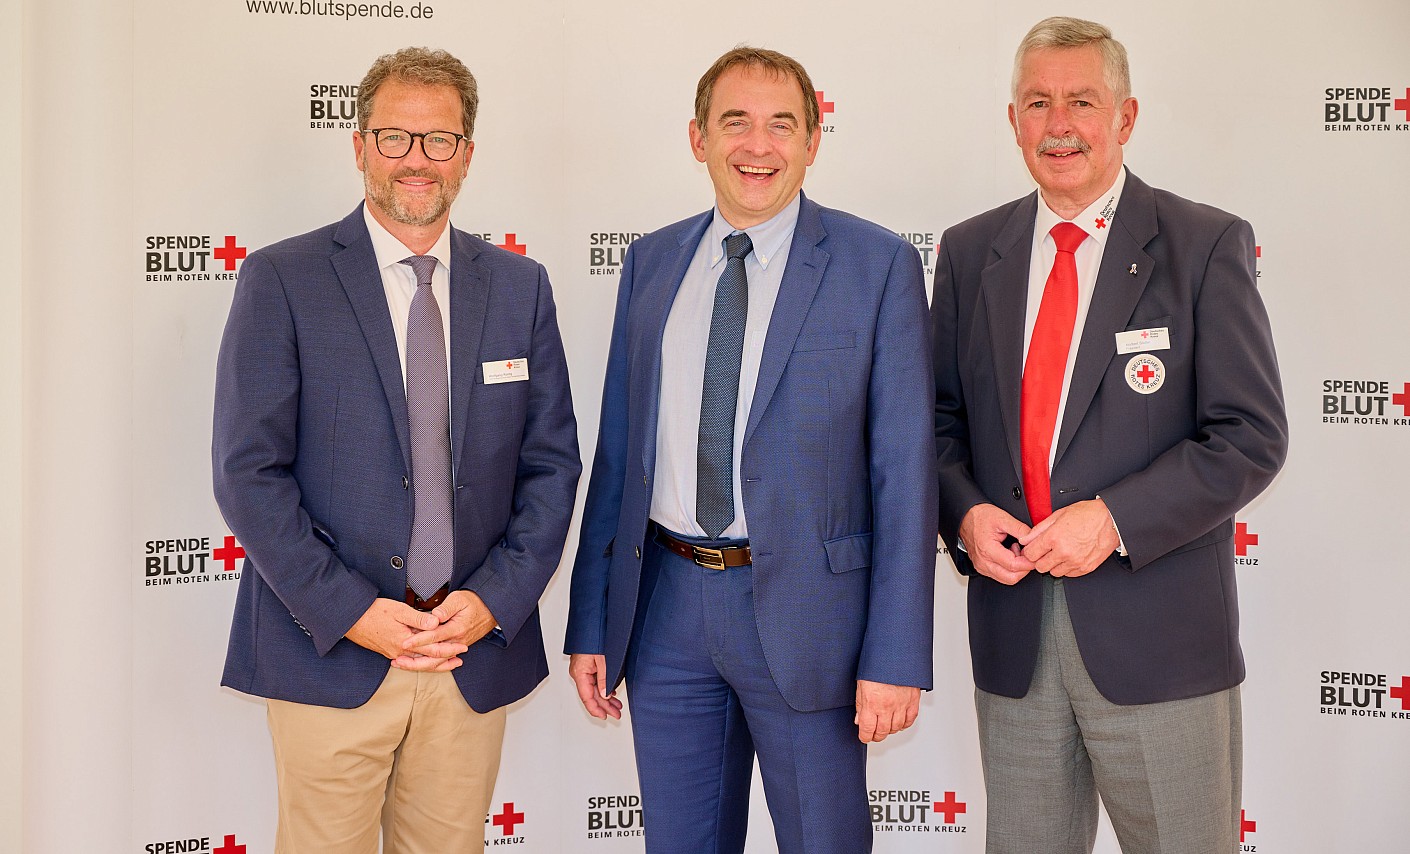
(1068, 236)
(738, 245)
(423, 266)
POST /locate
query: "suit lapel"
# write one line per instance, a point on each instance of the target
(356, 266)
(1004, 283)
(657, 295)
(469, 302)
(801, 278)
(1113, 300)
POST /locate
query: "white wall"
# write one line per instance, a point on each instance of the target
(144, 118)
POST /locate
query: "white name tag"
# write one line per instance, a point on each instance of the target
(1143, 340)
(506, 371)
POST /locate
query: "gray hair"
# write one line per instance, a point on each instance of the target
(1061, 32)
(425, 67)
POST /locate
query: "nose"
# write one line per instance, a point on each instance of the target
(758, 140)
(416, 158)
(1059, 120)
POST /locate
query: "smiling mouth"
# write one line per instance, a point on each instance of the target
(1060, 147)
(756, 170)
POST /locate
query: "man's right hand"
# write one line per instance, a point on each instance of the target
(589, 673)
(983, 531)
(383, 627)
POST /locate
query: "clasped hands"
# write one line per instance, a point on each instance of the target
(423, 640)
(1073, 541)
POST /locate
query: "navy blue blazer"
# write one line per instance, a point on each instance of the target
(1173, 466)
(837, 466)
(312, 463)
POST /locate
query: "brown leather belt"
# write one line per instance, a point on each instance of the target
(431, 601)
(725, 558)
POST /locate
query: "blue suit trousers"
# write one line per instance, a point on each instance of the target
(703, 703)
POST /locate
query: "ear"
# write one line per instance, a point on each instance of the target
(359, 141)
(697, 141)
(465, 164)
(1013, 123)
(1128, 111)
(813, 143)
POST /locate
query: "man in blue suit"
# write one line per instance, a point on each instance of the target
(1107, 398)
(402, 480)
(758, 550)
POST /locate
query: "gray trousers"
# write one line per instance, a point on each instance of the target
(1169, 774)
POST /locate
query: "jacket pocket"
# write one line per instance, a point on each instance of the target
(825, 341)
(845, 554)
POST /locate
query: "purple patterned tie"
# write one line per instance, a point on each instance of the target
(428, 563)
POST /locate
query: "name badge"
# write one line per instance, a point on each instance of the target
(1143, 340)
(506, 371)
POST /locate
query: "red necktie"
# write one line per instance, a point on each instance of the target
(1044, 369)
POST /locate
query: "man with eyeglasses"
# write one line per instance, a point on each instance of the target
(395, 448)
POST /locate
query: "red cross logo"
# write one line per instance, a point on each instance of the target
(1403, 104)
(229, 253)
(1145, 333)
(1101, 222)
(1246, 826)
(510, 243)
(509, 819)
(229, 847)
(1146, 374)
(1402, 399)
(1243, 539)
(824, 105)
(1402, 693)
(950, 807)
(228, 554)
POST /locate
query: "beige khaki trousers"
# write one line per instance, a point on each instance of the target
(414, 759)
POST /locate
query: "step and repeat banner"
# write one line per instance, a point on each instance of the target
(1296, 118)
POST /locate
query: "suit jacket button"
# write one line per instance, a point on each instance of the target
(638, 552)
(643, 481)
(396, 562)
(1017, 494)
(405, 484)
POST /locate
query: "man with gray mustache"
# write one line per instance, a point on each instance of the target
(1107, 398)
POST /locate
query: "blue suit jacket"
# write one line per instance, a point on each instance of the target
(1172, 466)
(837, 465)
(313, 464)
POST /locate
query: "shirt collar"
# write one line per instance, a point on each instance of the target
(768, 237)
(1095, 220)
(391, 251)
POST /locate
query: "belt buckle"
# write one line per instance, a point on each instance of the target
(430, 602)
(708, 558)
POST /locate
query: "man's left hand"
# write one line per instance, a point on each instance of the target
(884, 710)
(464, 619)
(1073, 541)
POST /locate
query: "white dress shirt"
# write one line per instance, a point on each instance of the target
(683, 347)
(399, 282)
(1096, 221)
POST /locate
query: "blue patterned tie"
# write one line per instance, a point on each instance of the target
(428, 562)
(714, 455)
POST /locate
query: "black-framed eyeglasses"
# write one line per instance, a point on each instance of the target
(437, 144)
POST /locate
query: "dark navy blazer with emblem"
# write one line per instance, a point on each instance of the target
(1173, 466)
(313, 463)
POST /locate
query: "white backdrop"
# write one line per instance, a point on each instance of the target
(165, 138)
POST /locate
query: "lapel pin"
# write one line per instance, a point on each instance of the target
(1132, 271)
